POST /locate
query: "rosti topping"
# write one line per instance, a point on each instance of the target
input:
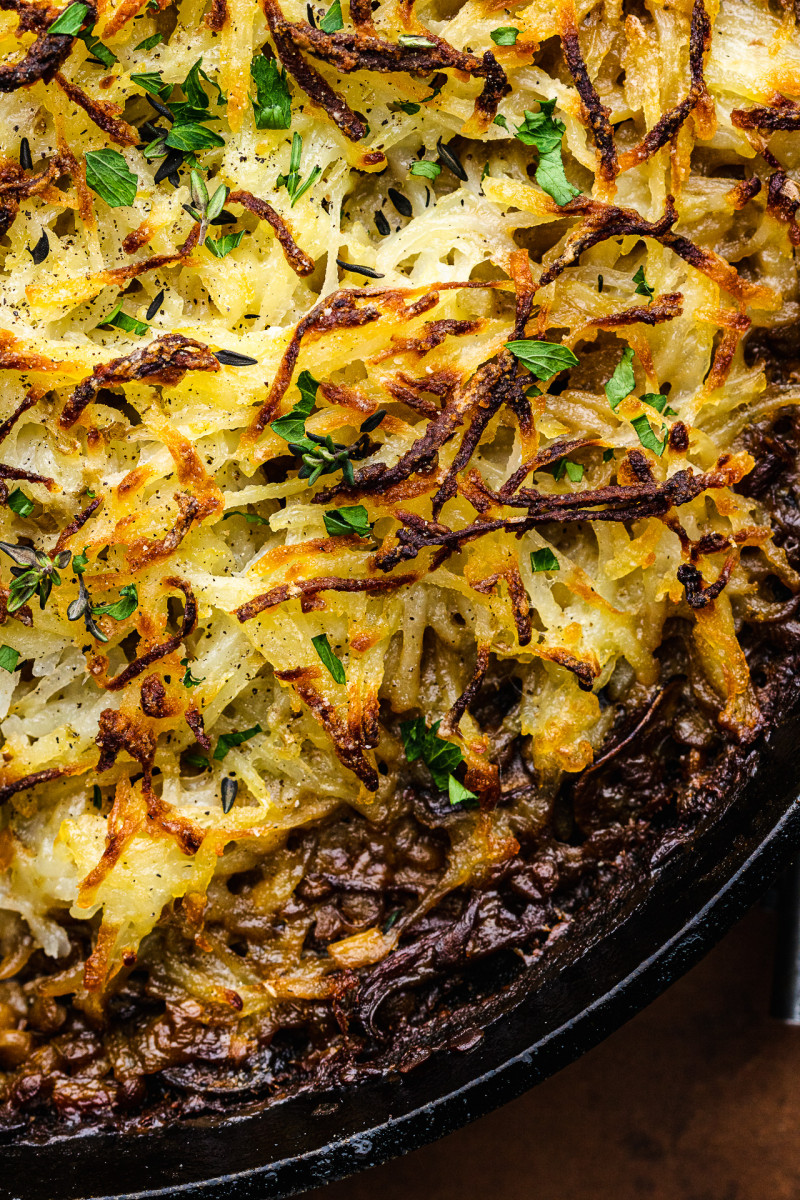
(394, 445)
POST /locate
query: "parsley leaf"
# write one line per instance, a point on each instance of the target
(108, 174)
(272, 107)
(120, 609)
(329, 659)
(343, 522)
(642, 286)
(543, 359)
(647, 437)
(97, 49)
(458, 793)
(506, 35)
(221, 246)
(406, 106)
(151, 42)
(545, 133)
(440, 757)
(622, 382)
(150, 81)
(658, 401)
(189, 680)
(227, 741)
(120, 320)
(332, 21)
(292, 427)
(251, 518)
(80, 562)
(19, 503)
(8, 658)
(70, 20)
(544, 560)
(190, 136)
(429, 170)
(565, 467)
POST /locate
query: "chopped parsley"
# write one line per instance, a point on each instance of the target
(70, 20)
(426, 168)
(272, 107)
(251, 518)
(108, 174)
(329, 660)
(189, 680)
(19, 503)
(151, 42)
(441, 757)
(545, 133)
(221, 246)
(543, 359)
(506, 35)
(544, 560)
(120, 320)
(622, 382)
(647, 437)
(227, 741)
(9, 657)
(292, 427)
(573, 470)
(332, 21)
(658, 401)
(343, 522)
(120, 610)
(642, 286)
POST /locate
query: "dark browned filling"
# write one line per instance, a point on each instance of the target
(665, 768)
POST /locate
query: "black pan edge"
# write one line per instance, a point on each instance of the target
(313, 1139)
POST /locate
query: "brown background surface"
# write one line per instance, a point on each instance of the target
(697, 1098)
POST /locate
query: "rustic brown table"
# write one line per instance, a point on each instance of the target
(697, 1098)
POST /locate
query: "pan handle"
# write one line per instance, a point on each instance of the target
(785, 1001)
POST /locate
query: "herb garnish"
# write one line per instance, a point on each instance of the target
(70, 20)
(272, 107)
(19, 503)
(189, 680)
(543, 359)
(203, 209)
(658, 401)
(544, 560)
(292, 427)
(642, 286)
(251, 518)
(506, 35)
(120, 609)
(9, 657)
(647, 437)
(227, 741)
(622, 382)
(35, 574)
(545, 133)
(441, 758)
(108, 174)
(120, 320)
(100, 53)
(344, 522)
(332, 21)
(406, 106)
(330, 660)
(412, 41)
(291, 182)
(425, 168)
(572, 469)
(151, 42)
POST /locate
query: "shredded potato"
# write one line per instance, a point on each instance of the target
(144, 453)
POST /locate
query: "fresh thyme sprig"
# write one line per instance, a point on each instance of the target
(36, 574)
(202, 208)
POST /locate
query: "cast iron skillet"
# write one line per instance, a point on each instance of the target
(591, 987)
